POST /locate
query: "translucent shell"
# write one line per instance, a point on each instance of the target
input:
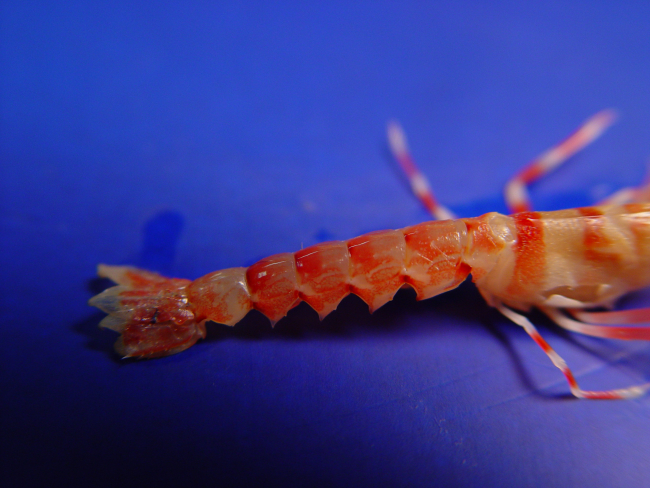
(434, 256)
(377, 266)
(273, 285)
(323, 274)
(221, 296)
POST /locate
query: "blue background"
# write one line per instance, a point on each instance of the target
(189, 138)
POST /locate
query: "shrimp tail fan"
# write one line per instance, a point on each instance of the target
(149, 311)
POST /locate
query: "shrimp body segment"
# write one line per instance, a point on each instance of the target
(570, 258)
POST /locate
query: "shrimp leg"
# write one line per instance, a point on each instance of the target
(604, 331)
(560, 363)
(634, 316)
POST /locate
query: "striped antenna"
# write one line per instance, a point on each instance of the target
(419, 183)
(516, 193)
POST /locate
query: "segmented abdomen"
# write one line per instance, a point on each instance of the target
(427, 256)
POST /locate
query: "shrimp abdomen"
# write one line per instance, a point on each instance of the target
(374, 266)
(430, 257)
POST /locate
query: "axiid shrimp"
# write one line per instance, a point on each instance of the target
(560, 262)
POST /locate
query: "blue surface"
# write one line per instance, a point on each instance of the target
(192, 138)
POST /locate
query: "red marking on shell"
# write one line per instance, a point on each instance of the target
(323, 273)
(594, 239)
(433, 257)
(137, 278)
(594, 222)
(483, 242)
(602, 257)
(158, 309)
(462, 272)
(159, 339)
(590, 211)
(520, 208)
(156, 298)
(482, 235)
(273, 285)
(530, 262)
(376, 266)
(636, 208)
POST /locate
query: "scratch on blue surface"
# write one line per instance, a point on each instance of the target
(400, 398)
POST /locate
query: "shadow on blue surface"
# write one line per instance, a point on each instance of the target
(160, 241)
(97, 339)
(159, 245)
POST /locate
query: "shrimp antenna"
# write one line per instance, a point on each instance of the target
(419, 183)
(516, 194)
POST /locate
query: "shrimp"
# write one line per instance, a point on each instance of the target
(561, 262)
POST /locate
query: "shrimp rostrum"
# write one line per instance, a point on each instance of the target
(560, 262)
